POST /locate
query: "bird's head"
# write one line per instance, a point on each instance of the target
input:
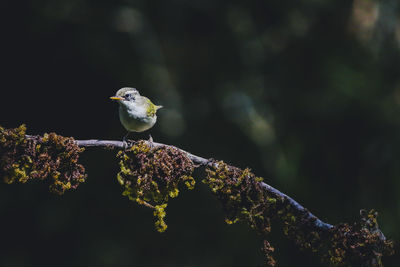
(130, 98)
(126, 94)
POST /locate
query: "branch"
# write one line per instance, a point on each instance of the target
(122, 145)
(346, 243)
(244, 196)
(205, 162)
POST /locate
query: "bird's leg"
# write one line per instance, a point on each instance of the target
(126, 136)
(151, 144)
(125, 140)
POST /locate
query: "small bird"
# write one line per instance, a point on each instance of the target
(136, 113)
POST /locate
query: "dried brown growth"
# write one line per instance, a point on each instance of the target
(151, 176)
(242, 196)
(244, 199)
(50, 157)
(362, 244)
(268, 249)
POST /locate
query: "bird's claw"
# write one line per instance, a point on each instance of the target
(127, 143)
(124, 145)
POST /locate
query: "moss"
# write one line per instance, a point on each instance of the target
(360, 244)
(244, 199)
(150, 176)
(51, 157)
(159, 213)
(267, 249)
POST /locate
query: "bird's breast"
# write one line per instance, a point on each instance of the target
(136, 120)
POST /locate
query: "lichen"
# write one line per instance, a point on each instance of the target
(241, 194)
(150, 176)
(267, 249)
(244, 199)
(360, 244)
(52, 157)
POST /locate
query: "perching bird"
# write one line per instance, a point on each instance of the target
(136, 113)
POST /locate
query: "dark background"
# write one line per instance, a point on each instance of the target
(306, 93)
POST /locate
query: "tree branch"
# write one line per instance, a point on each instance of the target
(205, 162)
(243, 196)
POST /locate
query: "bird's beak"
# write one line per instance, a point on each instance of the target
(116, 98)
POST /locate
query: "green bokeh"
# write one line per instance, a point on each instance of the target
(305, 93)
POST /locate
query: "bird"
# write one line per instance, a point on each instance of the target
(136, 113)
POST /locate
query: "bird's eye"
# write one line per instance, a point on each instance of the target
(128, 96)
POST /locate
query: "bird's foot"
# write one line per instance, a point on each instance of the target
(150, 141)
(127, 143)
(124, 145)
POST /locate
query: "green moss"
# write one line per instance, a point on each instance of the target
(52, 157)
(151, 176)
(360, 244)
(244, 199)
(159, 213)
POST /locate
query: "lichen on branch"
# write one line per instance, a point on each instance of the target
(360, 244)
(51, 156)
(152, 175)
(244, 199)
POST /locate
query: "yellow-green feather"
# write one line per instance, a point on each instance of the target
(151, 108)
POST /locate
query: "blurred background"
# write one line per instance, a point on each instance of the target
(305, 93)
